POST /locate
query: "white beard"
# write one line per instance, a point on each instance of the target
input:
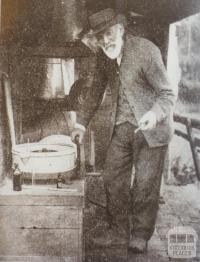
(114, 49)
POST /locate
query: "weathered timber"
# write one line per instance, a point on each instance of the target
(42, 222)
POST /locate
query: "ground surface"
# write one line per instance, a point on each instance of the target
(181, 208)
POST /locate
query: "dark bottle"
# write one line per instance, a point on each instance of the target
(17, 179)
(59, 181)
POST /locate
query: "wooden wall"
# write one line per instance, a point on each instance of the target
(4, 133)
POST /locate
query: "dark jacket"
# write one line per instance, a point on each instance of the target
(146, 85)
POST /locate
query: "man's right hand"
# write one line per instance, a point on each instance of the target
(78, 130)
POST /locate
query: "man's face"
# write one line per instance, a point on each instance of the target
(111, 40)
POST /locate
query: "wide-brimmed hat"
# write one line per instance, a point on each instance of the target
(100, 21)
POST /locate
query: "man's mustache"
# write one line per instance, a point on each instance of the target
(109, 46)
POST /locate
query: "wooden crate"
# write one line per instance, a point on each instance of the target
(42, 223)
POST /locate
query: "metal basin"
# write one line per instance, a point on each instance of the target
(39, 158)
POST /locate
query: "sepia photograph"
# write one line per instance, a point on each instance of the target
(99, 130)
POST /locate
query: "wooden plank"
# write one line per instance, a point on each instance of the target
(45, 196)
(40, 242)
(193, 150)
(9, 109)
(181, 134)
(183, 120)
(40, 217)
(41, 201)
(38, 259)
(76, 188)
(4, 134)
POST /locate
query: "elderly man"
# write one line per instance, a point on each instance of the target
(141, 126)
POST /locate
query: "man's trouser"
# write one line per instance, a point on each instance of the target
(136, 206)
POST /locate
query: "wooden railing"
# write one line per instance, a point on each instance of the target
(192, 138)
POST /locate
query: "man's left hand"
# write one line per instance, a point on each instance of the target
(148, 121)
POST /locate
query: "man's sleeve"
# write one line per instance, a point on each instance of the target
(91, 101)
(157, 77)
(86, 95)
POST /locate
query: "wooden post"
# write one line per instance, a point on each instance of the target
(192, 146)
(80, 161)
(9, 109)
(91, 150)
(0, 16)
(5, 159)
